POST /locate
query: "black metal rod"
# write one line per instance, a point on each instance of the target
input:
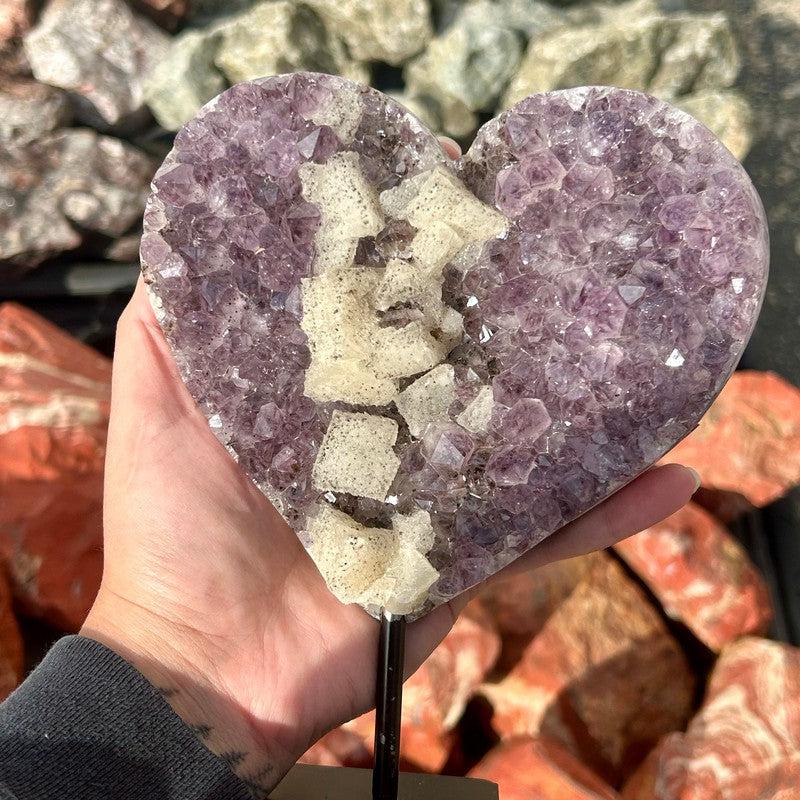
(388, 704)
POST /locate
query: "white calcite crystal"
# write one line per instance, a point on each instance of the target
(356, 455)
(437, 197)
(343, 115)
(340, 326)
(407, 283)
(403, 586)
(350, 556)
(400, 352)
(354, 358)
(378, 568)
(369, 327)
(435, 245)
(348, 207)
(427, 399)
(478, 413)
(415, 530)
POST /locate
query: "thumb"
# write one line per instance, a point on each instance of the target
(146, 381)
(156, 431)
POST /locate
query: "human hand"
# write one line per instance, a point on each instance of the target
(211, 596)
(209, 593)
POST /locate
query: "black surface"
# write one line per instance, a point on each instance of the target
(83, 299)
(388, 707)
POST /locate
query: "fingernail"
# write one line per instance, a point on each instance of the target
(696, 476)
(451, 144)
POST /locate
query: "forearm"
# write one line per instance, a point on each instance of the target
(182, 669)
(207, 714)
(87, 724)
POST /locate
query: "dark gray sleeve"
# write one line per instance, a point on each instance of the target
(87, 726)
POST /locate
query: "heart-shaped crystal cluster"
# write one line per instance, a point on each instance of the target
(428, 366)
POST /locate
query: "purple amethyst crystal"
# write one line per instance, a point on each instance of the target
(431, 366)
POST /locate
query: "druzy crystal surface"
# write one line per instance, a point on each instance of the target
(429, 366)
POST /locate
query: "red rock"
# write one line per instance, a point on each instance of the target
(521, 604)
(532, 768)
(701, 575)
(16, 17)
(744, 744)
(435, 696)
(54, 405)
(748, 443)
(603, 677)
(11, 655)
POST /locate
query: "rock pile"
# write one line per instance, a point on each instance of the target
(138, 71)
(572, 682)
(54, 403)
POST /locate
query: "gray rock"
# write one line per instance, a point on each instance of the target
(424, 111)
(57, 191)
(440, 112)
(186, 79)
(203, 11)
(530, 17)
(263, 39)
(378, 30)
(727, 114)
(768, 32)
(29, 110)
(635, 45)
(476, 52)
(101, 52)
(281, 36)
(470, 62)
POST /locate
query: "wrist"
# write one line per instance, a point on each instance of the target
(179, 664)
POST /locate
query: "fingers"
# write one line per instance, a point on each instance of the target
(426, 633)
(450, 146)
(648, 499)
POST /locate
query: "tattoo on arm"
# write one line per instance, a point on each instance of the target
(258, 778)
(233, 758)
(203, 731)
(260, 783)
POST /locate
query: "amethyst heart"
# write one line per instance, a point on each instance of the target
(429, 367)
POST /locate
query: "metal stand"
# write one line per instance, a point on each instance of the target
(388, 704)
(305, 782)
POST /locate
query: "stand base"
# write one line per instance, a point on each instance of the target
(306, 782)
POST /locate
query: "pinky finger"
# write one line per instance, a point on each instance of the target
(653, 496)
